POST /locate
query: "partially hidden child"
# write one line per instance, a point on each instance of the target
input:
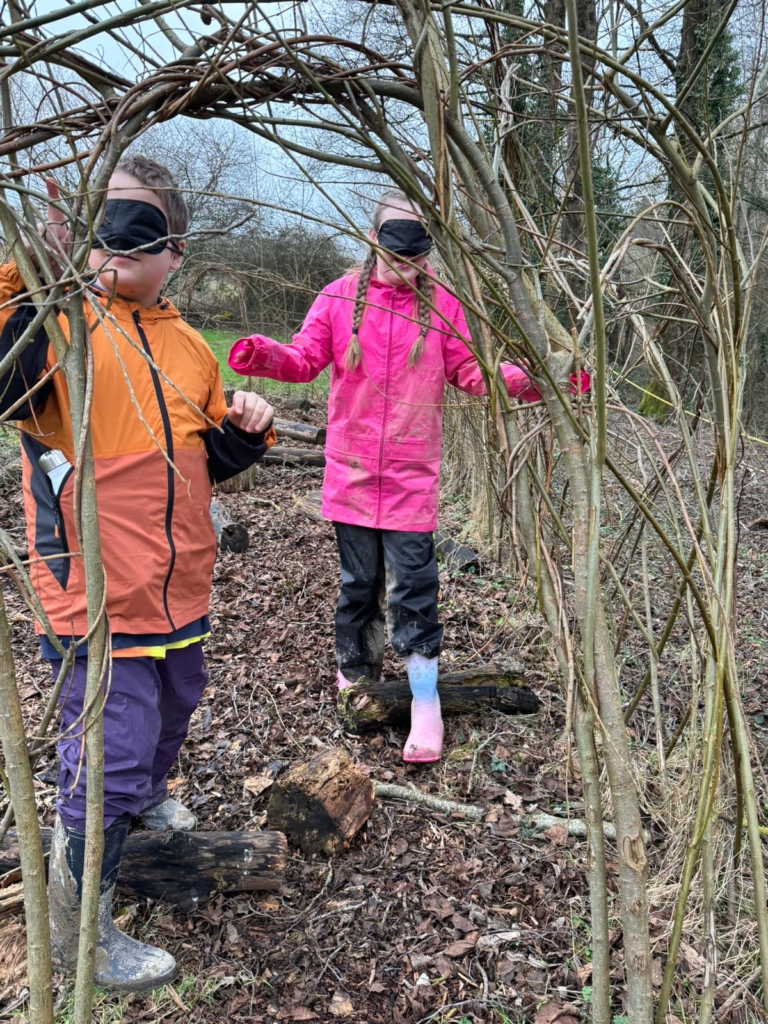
(161, 434)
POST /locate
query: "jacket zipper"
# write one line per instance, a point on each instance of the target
(386, 401)
(169, 464)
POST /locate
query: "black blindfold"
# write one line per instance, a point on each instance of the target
(130, 224)
(404, 238)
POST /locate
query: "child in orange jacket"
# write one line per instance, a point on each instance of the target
(161, 433)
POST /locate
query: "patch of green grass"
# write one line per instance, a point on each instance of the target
(222, 341)
(191, 991)
(9, 443)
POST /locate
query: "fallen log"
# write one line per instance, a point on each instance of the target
(300, 432)
(454, 555)
(230, 536)
(281, 456)
(186, 868)
(367, 705)
(321, 804)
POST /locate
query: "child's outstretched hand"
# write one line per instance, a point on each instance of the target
(250, 412)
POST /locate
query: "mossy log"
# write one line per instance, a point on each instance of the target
(321, 804)
(186, 868)
(367, 705)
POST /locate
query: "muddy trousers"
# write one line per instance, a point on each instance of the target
(146, 718)
(390, 573)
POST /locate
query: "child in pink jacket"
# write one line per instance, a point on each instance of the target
(390, 358)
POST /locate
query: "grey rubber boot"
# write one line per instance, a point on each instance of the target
(122, 963)
(169, 814)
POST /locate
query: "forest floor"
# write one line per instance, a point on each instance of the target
(426, 917)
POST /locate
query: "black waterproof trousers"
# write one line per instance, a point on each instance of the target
(392, 571)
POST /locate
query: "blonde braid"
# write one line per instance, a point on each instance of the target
(354, 353)
(426, 288)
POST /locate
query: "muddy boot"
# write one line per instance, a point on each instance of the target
(122, 963)
(425, 741)
(169, 814)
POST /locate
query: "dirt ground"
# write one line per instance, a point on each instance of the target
(425, 917)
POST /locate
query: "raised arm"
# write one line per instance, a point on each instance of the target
(308, 354)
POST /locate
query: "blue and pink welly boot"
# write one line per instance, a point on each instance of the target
(425, 741)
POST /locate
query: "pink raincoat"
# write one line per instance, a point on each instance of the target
(384, 418)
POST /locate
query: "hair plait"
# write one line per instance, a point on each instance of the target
(426, 293)
(354, 354)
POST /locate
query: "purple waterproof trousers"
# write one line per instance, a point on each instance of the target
(146, 717)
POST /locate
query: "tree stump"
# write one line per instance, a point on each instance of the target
(186, 868)
(368, 705)
(245, 481)
(321, 804)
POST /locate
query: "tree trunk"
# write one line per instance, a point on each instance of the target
(367, 705)
(321, 804)
(186, 868)
(30, 855)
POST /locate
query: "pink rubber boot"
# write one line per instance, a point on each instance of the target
(341, 680)
(425, 741)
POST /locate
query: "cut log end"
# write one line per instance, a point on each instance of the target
(321, 804)
(455, 556)
(234, 537)
(230, 536)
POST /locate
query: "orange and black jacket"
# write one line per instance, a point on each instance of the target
(155, 455)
